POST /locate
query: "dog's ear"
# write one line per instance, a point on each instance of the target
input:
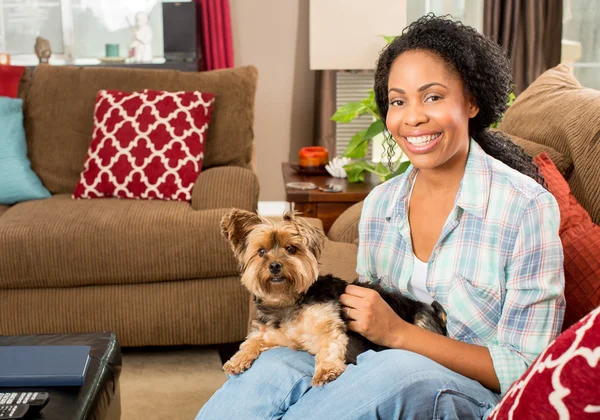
(235, 227)
(313, 236)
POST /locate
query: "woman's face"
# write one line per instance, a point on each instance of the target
(429, 112)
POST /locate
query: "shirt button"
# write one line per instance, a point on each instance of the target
(432, 294)
(437, 251)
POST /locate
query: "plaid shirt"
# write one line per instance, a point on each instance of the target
(497, 268)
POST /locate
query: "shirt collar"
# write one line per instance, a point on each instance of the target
(473, 194)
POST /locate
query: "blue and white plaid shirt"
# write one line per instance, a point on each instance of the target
(497, 268)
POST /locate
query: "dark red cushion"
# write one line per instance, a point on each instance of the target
(10, 76)
(146, 145)
(562, 382)
(581, 245)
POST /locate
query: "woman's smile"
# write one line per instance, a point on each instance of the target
(422, 143)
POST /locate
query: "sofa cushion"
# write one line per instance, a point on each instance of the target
(555, 110)
(562, 382)
(581, 246)
(3, 209)
(146, 145)
(61, 242)
(60, 108)
(17, 181)
(562, 161)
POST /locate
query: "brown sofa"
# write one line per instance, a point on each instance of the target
(155, 272)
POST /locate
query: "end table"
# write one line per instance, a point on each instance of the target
(326, 206)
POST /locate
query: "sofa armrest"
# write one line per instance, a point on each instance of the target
(226, 187)
(345, 227)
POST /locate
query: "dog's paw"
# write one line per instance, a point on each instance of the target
(240, 362)
(326, 372)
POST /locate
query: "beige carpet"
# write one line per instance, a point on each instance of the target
(168, 383)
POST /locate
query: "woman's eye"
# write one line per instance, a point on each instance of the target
(290, 249)
(397, 102)
(262, 252)
(433, 98)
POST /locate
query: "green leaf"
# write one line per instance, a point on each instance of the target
(374, 129)
(382, 171)
(349, 111)
(370, 105)
(356, 170)
(388, 39)
(357, 148)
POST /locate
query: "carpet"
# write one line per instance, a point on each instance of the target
(168, 383)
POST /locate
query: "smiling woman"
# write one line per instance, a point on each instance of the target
(466, 225)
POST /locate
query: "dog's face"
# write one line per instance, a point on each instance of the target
(278, 260)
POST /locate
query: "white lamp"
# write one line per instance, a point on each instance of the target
(346, 34)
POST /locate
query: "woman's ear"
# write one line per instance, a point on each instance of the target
(473, 107)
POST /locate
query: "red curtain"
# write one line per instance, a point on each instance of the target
(214, 33)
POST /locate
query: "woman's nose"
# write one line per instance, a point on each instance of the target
(414, 114)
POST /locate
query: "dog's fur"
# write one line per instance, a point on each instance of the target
(295, 307)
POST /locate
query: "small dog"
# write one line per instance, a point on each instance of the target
(297, 308)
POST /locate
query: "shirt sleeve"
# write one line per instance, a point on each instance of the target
(534, 303)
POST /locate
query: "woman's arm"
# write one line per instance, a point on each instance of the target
(469, 360)
(373, 318)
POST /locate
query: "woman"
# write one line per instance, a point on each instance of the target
(467, 225)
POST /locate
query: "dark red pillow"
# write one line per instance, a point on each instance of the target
(581, 245)
(562, 382)
(146, 145)
(10, 76)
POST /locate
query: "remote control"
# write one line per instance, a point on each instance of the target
(13, 411)
(35, 400)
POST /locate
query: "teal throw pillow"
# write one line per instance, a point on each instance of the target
(18, 182)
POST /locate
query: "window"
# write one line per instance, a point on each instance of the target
(77, 29)
(581, 40)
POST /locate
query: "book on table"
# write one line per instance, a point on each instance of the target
(43, 365)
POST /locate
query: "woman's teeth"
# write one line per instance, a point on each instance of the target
(422, 140)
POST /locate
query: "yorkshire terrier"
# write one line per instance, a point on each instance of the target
(297, 308)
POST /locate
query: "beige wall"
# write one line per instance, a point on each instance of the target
(273, 36)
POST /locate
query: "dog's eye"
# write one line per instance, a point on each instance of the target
(290, 249)
(262, 252)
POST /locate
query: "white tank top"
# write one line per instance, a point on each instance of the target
(417, 284)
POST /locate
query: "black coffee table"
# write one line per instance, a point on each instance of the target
(98, 398)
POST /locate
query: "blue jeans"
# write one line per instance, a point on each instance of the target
(390, 384)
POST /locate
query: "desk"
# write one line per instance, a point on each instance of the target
(325, 206)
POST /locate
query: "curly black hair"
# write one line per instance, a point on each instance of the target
(485, 72)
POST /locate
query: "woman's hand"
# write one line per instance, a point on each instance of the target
(372, 317)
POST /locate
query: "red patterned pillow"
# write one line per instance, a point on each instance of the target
(562, 382)
(146, 145)
(581, 246)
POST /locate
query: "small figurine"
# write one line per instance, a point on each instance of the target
(141, 46)
(42, 49)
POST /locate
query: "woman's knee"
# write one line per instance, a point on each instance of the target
(281, 361)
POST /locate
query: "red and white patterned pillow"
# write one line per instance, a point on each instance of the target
(562, 382)
(146, 145)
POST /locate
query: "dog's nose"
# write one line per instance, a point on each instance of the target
(275, 267)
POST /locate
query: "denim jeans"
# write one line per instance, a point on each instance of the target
(391, 384)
